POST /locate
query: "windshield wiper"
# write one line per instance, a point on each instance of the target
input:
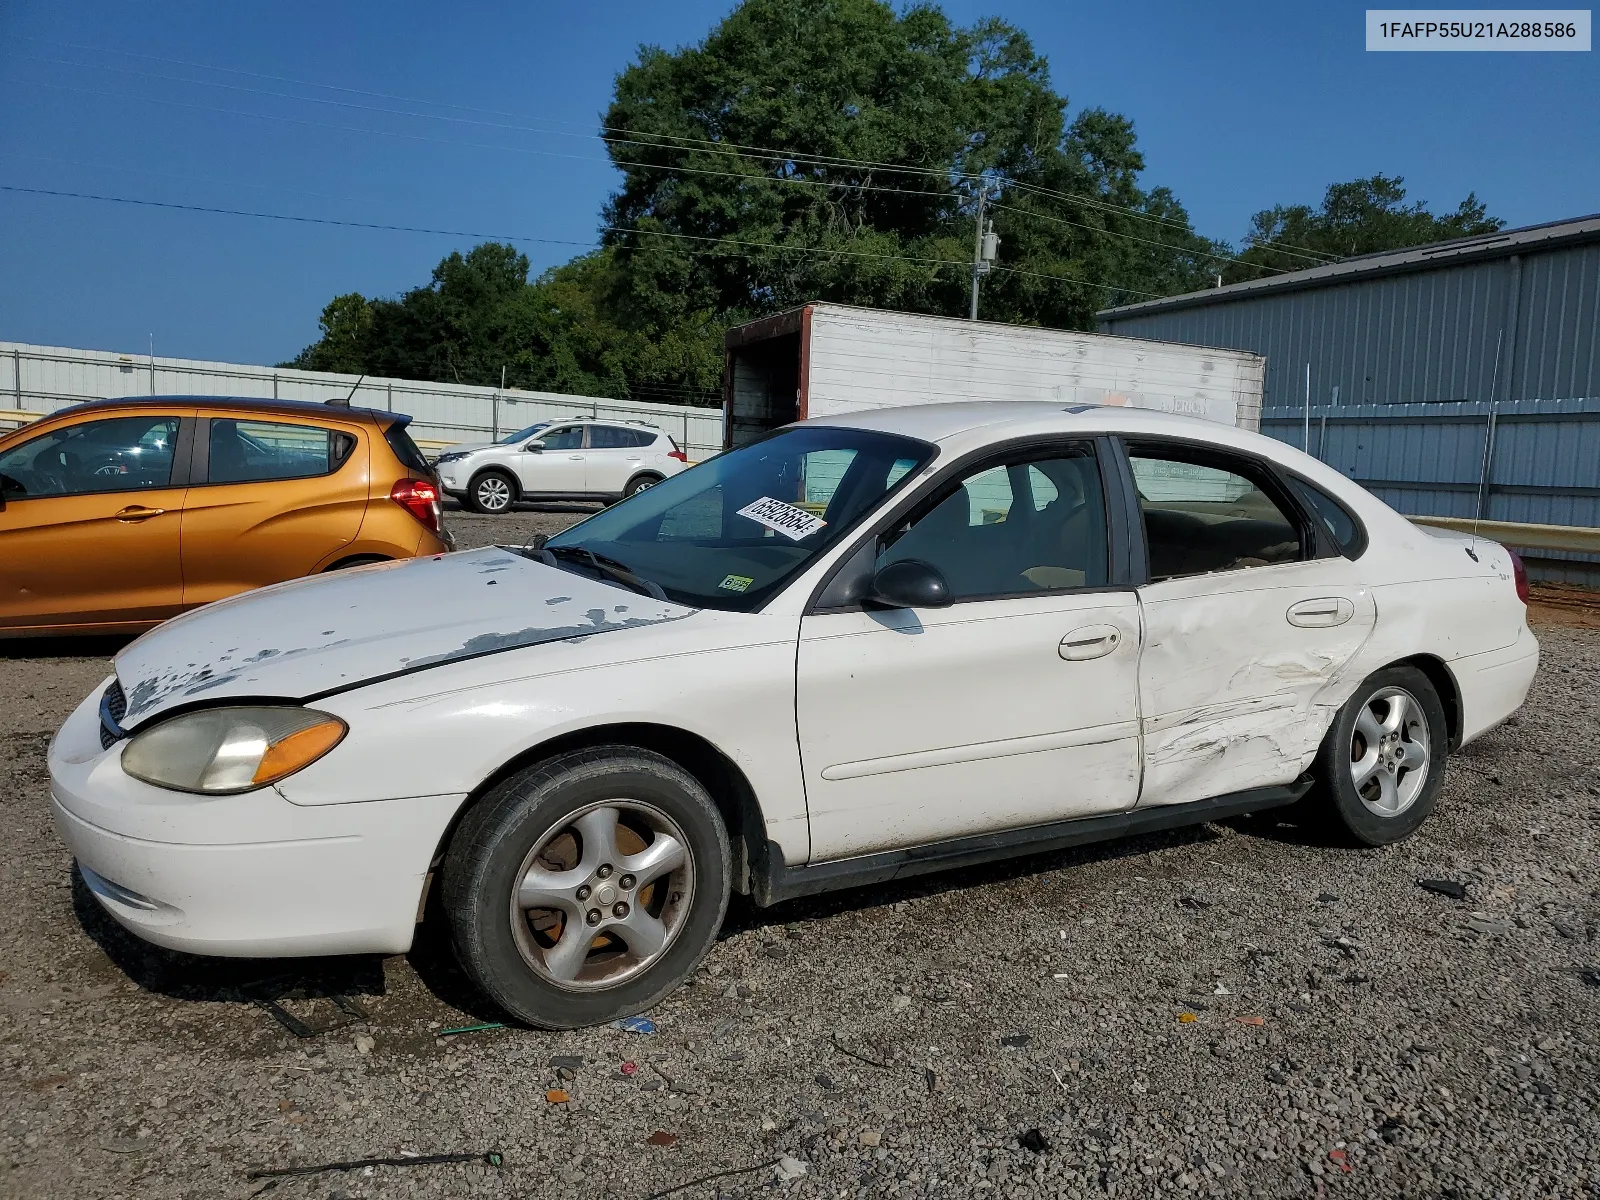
(611, 568)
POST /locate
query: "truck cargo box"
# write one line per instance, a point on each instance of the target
(822, 359)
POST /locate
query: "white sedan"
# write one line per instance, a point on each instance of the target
(858, 649)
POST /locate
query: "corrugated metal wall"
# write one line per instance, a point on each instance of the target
(1541, 465)
(41, 379)
(1423, 336)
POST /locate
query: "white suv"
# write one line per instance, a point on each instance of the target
(579, 459)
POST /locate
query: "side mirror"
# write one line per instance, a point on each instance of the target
(910, 583)
(535, 447)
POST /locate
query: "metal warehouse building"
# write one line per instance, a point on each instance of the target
(1458, 380)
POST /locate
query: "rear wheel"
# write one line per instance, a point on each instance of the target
(638, 484)
(492, 492)
(587, 888)
(1382, 762)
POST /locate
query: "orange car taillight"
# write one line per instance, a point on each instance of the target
(420, 498)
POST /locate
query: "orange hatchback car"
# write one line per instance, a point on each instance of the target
(117, 514)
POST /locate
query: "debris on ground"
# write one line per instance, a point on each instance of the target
(629, 1068)
(1327, 898)
(635, 1025)
(557, 1096)
(1016, 1040)
(567, 1062)
(859, 1057)
(278, 1174)
(790, 1168)
(1444, 887)
(364, 1042)
(1033, 1141)
(870, 1137)
(1251, 1020)
(486, 1026)
(662, 1138)
(1187, 1018)
(690, 1183)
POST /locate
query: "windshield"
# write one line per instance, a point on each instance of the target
(523, 435)
(730, 532)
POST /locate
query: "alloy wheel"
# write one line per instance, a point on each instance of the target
(602, 895)
(493, 494)
(1390, 750)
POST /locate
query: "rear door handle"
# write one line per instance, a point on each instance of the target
(1323, 613)
(574, 458)
(1092, 641)
(137, 512)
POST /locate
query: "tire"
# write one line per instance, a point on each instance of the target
(542, 835)
(639, 483)
(1373, 784)
(491, 493)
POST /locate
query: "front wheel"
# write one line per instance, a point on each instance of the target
(1382, 762)
(492, 492)
(588, 887)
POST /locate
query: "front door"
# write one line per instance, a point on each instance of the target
(1249, 626)
(89, 521)
(556, 468)
(278, 497)
(1014, 706)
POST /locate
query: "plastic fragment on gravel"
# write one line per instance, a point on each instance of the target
(662, 1138)
(557, 1096)
(790, 1168)
(629, 1068)
(1015, 1041)
(1187, 1018)
(1251, 1020)
(444, 1033)
(1444, 887)
(635, 1025)
(570, 1062)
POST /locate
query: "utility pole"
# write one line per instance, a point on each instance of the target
(985, 246)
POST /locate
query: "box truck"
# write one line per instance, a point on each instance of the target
(821, 359)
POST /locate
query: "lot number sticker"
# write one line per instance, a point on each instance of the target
(737, 583)
(794, 523)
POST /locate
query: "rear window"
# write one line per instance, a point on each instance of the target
(405, 449)
(245, 451)
(1345, 530)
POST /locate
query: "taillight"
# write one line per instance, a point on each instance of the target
(420, 498)
(1520, 574)
(679, 455)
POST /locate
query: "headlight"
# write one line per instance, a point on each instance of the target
(217, 751)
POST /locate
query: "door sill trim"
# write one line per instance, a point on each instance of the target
(779, 882)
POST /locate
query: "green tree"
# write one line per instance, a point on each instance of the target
(346, 322)
(1364, 216)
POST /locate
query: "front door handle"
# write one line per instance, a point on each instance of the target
(1323, 613)
(1092, 641)
(574, 458)
(138, 512)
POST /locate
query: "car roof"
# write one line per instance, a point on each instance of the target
(942, 422)
(298, 408)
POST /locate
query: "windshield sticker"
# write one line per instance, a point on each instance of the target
(794, 523)
(737, 583)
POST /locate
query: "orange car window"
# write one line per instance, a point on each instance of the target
(243, 451)
(118, 454)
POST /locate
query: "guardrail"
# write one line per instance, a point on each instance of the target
(1574, 539)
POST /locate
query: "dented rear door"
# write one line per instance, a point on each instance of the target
(1242, 671)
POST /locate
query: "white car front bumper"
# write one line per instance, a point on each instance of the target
(241, 876)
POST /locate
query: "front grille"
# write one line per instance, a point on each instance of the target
(113, 707)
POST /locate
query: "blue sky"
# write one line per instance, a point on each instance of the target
(1237, 105)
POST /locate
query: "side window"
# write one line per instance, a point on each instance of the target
(569, 437)
(609, 437)
(1036, 524)
(1335, 518)
(244, 451)
(119, 454)
(1201, 517)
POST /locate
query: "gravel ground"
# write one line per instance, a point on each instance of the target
(1235, 1010)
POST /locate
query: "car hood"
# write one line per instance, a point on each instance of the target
(469, 448)
(313, 636)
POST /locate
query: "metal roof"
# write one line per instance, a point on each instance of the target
(1504, 244)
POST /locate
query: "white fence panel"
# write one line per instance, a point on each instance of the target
(40, 379)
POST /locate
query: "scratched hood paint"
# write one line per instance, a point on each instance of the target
(310, 636)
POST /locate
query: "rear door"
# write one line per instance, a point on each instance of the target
(89, 522)
(274, 496)
(1251, 618)
(616, 454)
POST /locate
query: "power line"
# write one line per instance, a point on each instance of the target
(707, 145)
(622, 230)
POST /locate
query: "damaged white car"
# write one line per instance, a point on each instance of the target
(857, 649)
